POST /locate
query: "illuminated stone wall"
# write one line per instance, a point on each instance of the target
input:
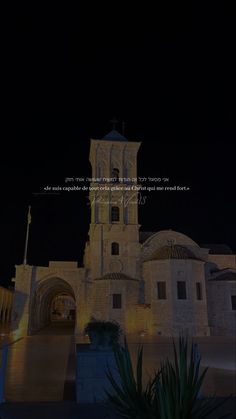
(222, 318)
(102, 302)
(6, 301)
(105, 156)
(223, 261)
(171, 315)
(22, 296)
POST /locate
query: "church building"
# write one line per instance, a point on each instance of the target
(160, 283)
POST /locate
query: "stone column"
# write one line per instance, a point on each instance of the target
(22, 296)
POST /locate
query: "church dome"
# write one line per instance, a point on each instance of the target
(114, 136)
(172, 252)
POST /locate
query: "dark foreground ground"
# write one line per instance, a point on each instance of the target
(71, 410)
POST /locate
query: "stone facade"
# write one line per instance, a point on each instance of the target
(160, 286)
(221, 297)
(171, 315)
(6, 301)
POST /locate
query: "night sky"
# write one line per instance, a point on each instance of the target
(168, 73)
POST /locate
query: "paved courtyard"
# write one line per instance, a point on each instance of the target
(42, 367)
(218, 353)
(41, 373)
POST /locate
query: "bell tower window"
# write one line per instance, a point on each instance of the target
(115, 248)
(115, 174)
(115, 214)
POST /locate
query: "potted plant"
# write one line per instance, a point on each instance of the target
(103, 335)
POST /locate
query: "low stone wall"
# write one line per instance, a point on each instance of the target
(91, 379)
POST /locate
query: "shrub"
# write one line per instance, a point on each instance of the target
(130, 398)
(173, 393)
(103, 331)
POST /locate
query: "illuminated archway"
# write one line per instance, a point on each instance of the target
(63, 308)
(43, 303)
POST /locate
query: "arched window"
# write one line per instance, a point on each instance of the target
(117, 301)
(115, 174)
(115, 214)
(115, 248)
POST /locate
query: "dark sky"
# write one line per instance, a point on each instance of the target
(169, 73)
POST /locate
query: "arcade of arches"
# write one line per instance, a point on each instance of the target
(53, 302)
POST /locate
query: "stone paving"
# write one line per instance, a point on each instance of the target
(41, 371)
(218, 353)
(37, 367)
(35, 373)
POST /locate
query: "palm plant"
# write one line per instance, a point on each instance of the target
(173, 393)
(178, 386)
(130, 398)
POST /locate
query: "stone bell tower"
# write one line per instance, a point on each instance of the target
(114, 194)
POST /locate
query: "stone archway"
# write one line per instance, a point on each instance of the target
(47, 291)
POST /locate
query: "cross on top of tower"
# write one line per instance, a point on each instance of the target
(114, 121)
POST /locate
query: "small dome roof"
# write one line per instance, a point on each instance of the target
(114, 136)
(173, 252)
(116, 276)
